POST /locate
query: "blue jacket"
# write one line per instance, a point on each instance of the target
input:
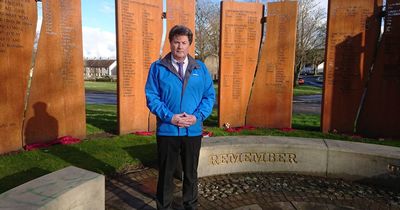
(167, 95)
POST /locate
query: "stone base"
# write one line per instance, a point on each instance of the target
(69, 188)
(331, 158)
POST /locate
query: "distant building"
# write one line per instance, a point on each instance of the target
(212, 63)
(100, 68)
(309, 69)
(320, 68)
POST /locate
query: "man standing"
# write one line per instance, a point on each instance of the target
(180, 92)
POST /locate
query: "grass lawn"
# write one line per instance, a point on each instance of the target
(108, 87)
(306, 90)
(101, 118)
(103, 155)
(110, 154)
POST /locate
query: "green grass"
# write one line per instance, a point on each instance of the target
(101, 118)
(306, 90)
(108, 87)
(116, 154)
(103, 155)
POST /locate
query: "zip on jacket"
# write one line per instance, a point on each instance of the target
(197, 95)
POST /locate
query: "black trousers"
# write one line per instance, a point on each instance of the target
(169, 149)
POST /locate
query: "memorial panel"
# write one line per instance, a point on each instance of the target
(240, 39)
(350, 45)
(180, 12)
(138, 42)
(56, 104)
(270, 104)
(381, 110)
(17, 33)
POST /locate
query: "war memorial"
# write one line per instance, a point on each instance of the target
(361, 95)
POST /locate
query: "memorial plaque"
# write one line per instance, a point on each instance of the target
(180, 12)
(139, 27)
(351, 34)
(381, 110)
(270, 104)
(17, 32)
(240, 39)
(56, 104)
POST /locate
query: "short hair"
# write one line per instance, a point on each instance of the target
(180, 30)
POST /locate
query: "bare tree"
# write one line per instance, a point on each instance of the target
(311, 30)
(207, 28)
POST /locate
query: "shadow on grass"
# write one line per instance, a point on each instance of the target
(78, 158)
(300, 126)
(147, 153)
(307, 122)
(105, 120)
(212, 120)
(9, 182)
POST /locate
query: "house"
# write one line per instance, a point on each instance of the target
(212, 63)
(320, 68)
(100, 68)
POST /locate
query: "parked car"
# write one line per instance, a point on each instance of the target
(320, 79)
(300, 80)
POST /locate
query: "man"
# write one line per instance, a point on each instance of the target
(180, 92)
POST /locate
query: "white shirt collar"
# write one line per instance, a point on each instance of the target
(175, 63)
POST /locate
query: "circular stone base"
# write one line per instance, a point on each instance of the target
(253, 191)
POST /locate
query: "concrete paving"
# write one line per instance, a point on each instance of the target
(253, 191)
(269, 190)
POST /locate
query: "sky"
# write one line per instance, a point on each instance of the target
(98, 27)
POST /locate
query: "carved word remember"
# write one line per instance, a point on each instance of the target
(252, 157)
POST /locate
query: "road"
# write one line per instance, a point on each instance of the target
(101, 98)
(311, 80)
(310, 104)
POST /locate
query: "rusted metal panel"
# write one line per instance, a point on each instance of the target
(350, 45)
(380, 113)
(180, 12)
(240, 38)
(270, 103)
(17, 33)
(139, 25)
(56, 105)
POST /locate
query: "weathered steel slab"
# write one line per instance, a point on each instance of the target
(240, 38)
(350, 45)
(270, 104)
(180, 12)
(139, 27)
(381, 111)
(56, 105)
(17, 32)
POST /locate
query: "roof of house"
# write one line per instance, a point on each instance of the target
(99, 63)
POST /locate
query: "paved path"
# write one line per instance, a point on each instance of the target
(100, 98)
(310, 104)
(254, 191)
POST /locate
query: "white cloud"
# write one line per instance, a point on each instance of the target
(107, 8)
(98, 43)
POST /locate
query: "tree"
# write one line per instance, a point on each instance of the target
(311, 30)
(207, 28)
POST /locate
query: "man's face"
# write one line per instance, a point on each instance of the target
(180, 47)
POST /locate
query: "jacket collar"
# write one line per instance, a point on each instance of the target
(167, 62)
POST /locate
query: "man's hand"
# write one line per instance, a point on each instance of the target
(189, 119)
(183, 120)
